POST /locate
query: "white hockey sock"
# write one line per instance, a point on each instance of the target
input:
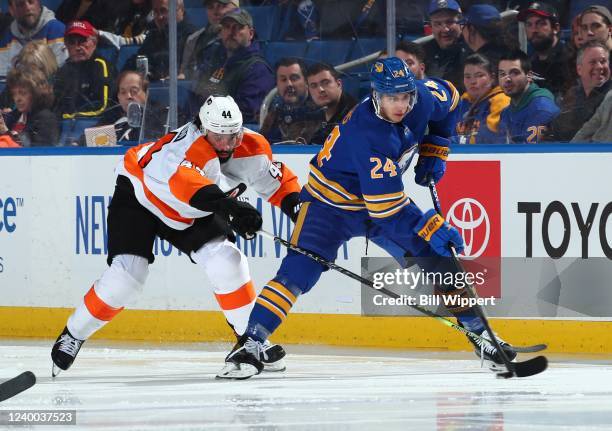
(228, 272)
(119, 286)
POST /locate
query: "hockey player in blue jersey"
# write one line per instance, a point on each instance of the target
(355, 189)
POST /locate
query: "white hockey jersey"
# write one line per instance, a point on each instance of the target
(167, 173)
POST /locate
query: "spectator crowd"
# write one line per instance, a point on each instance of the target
(538, 73)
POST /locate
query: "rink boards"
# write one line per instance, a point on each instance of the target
(516, 201)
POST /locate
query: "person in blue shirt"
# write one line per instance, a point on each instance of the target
(481, 105)
(355, 189)
(531, 108)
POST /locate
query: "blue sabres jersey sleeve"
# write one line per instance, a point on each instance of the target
(436, 109)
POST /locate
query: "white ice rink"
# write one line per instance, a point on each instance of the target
(145, 387)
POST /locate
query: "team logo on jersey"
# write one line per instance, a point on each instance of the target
(378, 67)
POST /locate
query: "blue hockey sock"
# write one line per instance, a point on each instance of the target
(271, 308)
(472, 323)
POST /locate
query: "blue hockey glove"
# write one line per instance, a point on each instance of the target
(433, 153)
(438, 233)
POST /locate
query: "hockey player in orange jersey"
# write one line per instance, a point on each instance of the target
(178, 188)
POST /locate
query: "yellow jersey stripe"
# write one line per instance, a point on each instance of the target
(299, 223)
(325, 200)
(333, 185)
(384, 197)
(384, 206)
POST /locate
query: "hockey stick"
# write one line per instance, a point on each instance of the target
(16, 385)
(369, 283)
(526, 368)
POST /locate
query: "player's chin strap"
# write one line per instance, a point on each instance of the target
(369, 283)
(514, 369)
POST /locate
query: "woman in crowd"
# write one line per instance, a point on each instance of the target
(34, 55)
(31, 123)
(481, 105)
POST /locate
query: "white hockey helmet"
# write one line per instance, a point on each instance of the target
(220, 114)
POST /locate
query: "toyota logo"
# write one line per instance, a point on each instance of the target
(468, 215)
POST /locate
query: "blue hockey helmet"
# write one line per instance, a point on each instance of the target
(392, 76)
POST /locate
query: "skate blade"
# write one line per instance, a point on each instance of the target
(55, 370)
(274, 367)
(233, 371)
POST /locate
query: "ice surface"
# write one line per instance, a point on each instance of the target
(146, 387)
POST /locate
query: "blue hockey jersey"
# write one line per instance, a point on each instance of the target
(526, 121)
(361, 163)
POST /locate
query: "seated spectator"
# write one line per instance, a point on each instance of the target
(599, 127)
(550, 56)
(132, 88)
(445, 53)
(245, 75)
(31, 123)
(292, 116)
(596, 24)
(531, 108)
(325, 88)
(155, 46)
(32, 22)
(414, 56)
(199, 52)
(84, 84)
(481, 105)
(581, 101)
(34, 55)
(135, 20)
(482, 31)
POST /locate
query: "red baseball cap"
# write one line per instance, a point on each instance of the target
(80, 28)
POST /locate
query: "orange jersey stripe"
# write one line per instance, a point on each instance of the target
(98, 308)
(131, 165)
(238, 298)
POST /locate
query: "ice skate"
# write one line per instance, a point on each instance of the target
(488, 353)
(243, 361)
(272, 357)
(64, 351)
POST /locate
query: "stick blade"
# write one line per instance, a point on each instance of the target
(16, 385)
(530, 349)
(526, 368)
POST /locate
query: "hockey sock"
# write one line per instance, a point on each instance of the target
(228, 271)
(271, 308)
(119, 286)
(471, 322)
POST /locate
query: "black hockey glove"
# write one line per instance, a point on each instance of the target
(290, 205)
(243, 218)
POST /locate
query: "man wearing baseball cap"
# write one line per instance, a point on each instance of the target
(203, 42)
(549, 58)
(83, 85)
(245, 75)
(482, 31)
(446, 52)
